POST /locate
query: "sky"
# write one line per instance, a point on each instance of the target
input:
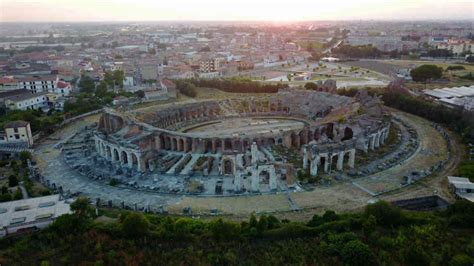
(232, 10)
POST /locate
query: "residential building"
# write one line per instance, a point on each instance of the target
(23, 100)
(37, 84)
(462, 187)
(26, 215)
(18, 131)
(8, 83)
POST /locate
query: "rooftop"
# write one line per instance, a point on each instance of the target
(19, 212)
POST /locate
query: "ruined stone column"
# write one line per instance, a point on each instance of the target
(129, 160)
(237, 181)
(377, 140)
(254, 151)
(313, 171)
(273, 179)
(326, 163)
(214, 145)
(254, 182)
(372, 142)
(340, 161)
(305, 157)
(352, 158)
(112, 154)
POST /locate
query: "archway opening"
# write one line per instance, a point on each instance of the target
(228, 167)
(348, 133)
(124, 157)
(264, 177)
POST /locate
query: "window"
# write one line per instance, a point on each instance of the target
(15, 130)
(22, 208)
(46, 204)
(17, 220)
(43, 216)
(17, 136)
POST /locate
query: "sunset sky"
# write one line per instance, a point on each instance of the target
(271, 10)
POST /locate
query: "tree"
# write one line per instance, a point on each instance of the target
(118, 77)
(24, 156)
(424, 73)
(140, 94)
(384, 213)
(101, 89)
(357, 253)
(82, 208)
(87, 84)
(12, 181)
(135, 225)
(311, 86)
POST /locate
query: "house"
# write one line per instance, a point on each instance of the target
(26, 215)
(18, 131)
(23, 100)
(62, 88)
(37, 84)
(462, 187)
(8, 83)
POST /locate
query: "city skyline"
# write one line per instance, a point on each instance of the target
(232, 10)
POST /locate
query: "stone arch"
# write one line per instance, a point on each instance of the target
(303, 135)
(271, 141)
(180, 145)
(116, 155)
(167, 143)
(280, 141)
(124, 158)
(348, 134)
(246, 144)
(317, 134)
(227, 145)
(264, 176)
(174, 144)
(273, 107)
(207, 146)
(330, 130)
(135, 161)
(109, 152)
(295, 140)
(227, 167)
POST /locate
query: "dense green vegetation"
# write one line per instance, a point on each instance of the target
(424, 73)
(38, 119)
(381, 234)
(238, 85)
(186, 88)
(362, 51)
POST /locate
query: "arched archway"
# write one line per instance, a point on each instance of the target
(228, 167)
(180, 145)
(174, 144)
(264, 177)
(124, 158)
(227, 145)
(116, 155)
(348, 134)
(134, 160)
(295, 140)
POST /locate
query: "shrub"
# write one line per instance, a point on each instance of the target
(384, 213)
(357, 253)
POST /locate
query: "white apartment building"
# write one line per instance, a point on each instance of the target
(38, 84)
(18, 131)
(25, 101)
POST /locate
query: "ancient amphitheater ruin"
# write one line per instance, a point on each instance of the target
(236, 146)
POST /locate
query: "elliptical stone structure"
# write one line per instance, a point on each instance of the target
(333, 129)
